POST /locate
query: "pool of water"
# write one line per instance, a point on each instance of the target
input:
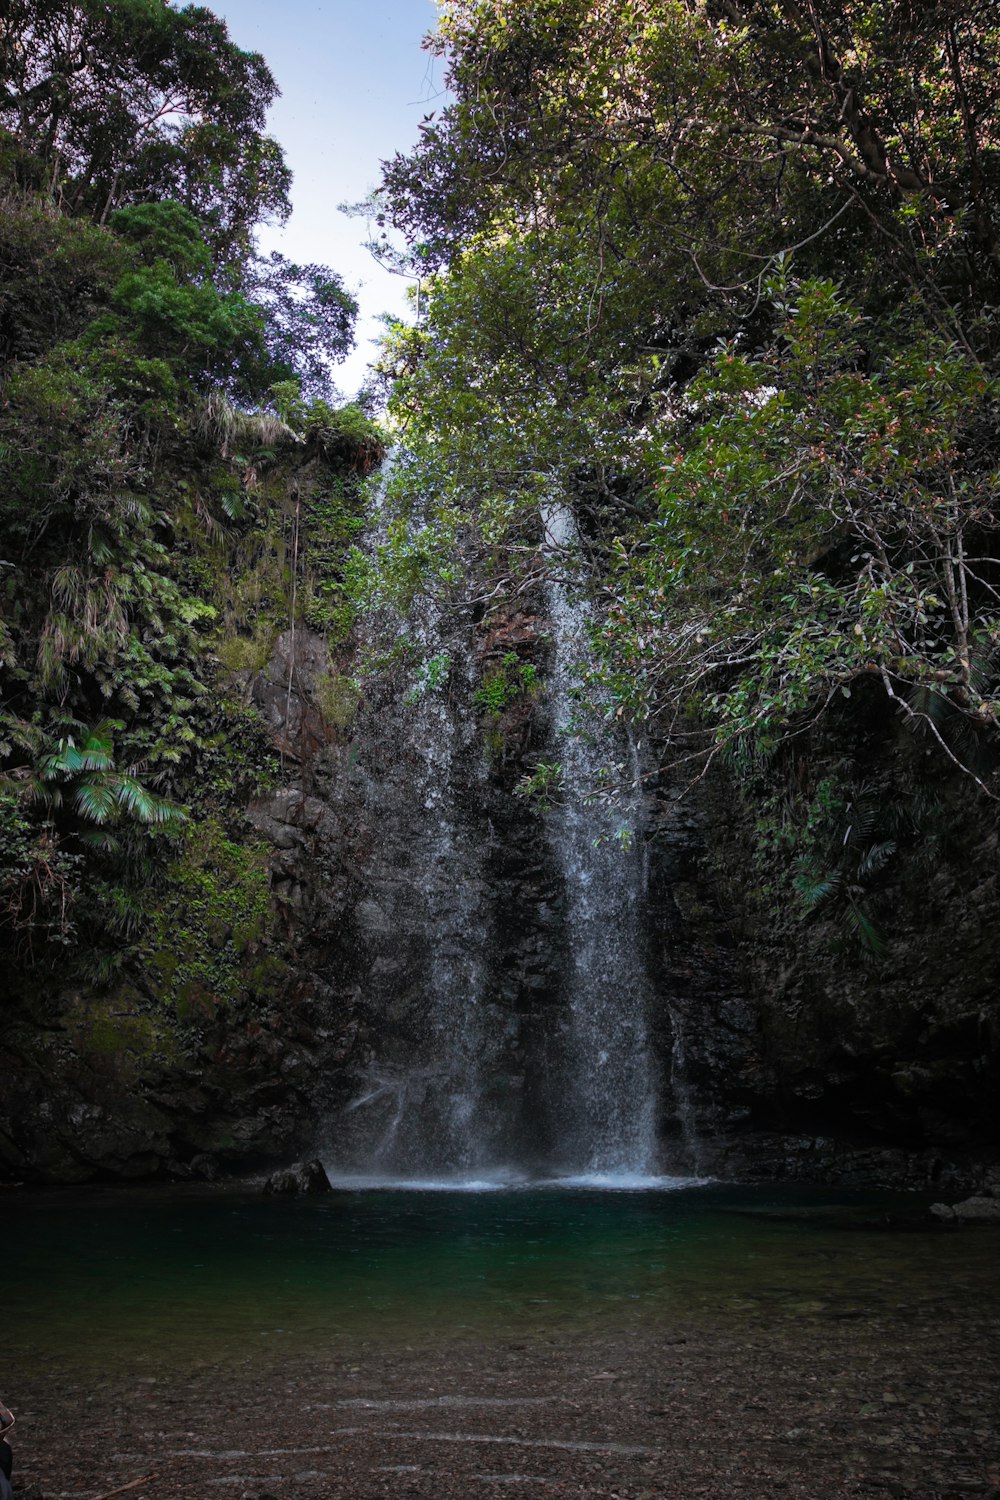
(108, 1277)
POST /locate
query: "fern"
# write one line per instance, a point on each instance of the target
(853, 836)
(815, 886)
(875, 858)
(862, 926)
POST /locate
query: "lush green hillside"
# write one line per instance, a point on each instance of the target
(176, 482)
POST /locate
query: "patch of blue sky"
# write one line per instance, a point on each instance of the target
(355, 85)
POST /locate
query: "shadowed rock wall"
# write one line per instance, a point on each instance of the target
(780, 1051)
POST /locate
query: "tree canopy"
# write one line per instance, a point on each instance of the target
(726, 275)
(138, 101)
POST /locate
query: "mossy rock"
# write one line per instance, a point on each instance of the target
(338, 699)
(206, 948)
(119, 1034)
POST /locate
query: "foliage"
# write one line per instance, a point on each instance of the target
(662, 251)
(543, 785)
(309, 317)
(70, 812)
(39, 881)
(82, 779)
(722, 279)
(831, 851)
(660, 129)
(156, 531)
(504, 683)
(138, 101)
(824, 524)
(204, 947)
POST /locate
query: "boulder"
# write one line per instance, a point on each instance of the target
(969, 1211)
(305, 1177)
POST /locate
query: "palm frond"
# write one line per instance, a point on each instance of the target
(66, 761)
(139, 802)
(95, 800)
(864, 812)
(930, 701)
(875, 858)
(32, 787)
(102, 841)
(814, 886)
(869, 937)
(97, 752)
(232, 505)
(25, 736)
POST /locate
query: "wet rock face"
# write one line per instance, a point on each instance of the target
(707, 1021)
(445, 947)
(289, 693)
(782, 1060)
(778, 1058)
(804, 1059)
(123, 1104)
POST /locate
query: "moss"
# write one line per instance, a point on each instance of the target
(224, 480)
(241, 653)
(338, 699)
(266, 973)
(208, 932)
(118, 1033)
(110, 1034)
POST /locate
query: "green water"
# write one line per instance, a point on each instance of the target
(106, 1278)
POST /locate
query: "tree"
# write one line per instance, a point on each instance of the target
(308, 320)
(672, 126)
(725, 276)
(137, 101)
(140, 489)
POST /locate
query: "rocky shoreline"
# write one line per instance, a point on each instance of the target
(758, 1410)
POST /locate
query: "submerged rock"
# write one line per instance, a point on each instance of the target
(306, 1177)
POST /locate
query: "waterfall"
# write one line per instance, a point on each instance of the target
(449, 1131)
(422, 1109)
(471, 1081)
(605, 1078)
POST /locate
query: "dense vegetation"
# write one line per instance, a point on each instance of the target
(174, 471)
(722, 275)
(726, 276)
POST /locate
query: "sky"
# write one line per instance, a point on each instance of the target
(355, 86)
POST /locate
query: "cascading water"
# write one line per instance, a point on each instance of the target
(476, 1078)
(449, 1130)
(425, 1113)
(607, 1120)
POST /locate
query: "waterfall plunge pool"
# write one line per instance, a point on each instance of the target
(148, 1278)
